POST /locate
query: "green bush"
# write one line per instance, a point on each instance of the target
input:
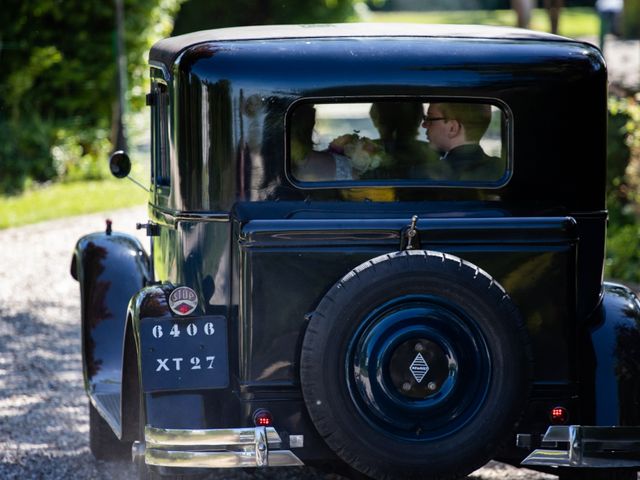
(631, 19)
(33, 150)
(81, 156)
(58, 83)
(623, 253)
(623, 180)
(25, 153)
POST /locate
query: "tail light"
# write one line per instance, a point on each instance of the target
(262, 418)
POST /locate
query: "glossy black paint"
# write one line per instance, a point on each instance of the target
(228, 152)
(119, 164)
(533, 258)
(615, 340)
(231, 117)
(261, 252)
(110, 268)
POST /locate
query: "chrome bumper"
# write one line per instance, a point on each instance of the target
(588, 447)
(224, 448)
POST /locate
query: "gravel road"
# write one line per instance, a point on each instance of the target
(43, 409)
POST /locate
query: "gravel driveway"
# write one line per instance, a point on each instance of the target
(43, 409)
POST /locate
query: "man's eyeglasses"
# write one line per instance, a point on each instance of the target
(426, 119)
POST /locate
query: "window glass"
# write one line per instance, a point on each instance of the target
(159, 134)
(437, 142)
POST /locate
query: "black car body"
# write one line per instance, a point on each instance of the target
(311, 300)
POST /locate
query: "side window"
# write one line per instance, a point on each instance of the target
(443, 142)
(159, 133)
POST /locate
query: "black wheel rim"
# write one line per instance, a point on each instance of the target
(420, 400)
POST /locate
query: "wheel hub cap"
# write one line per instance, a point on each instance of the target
(418, 368)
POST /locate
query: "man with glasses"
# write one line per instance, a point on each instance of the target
(455, 130)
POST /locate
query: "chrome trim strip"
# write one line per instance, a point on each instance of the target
(575, 446)
(219, 459)
(556, 433)
(262, 452)
(203, 217)
(166, 438)
(561, 458)
(172, 219)
(550, 458)
(589, 447)
(164, 72)
(138, 450)
(215, 448)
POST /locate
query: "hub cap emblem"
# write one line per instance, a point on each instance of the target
(183, 301)
(419, 368)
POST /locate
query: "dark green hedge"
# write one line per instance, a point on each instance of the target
(57, 83)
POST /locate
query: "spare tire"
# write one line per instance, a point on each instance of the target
(416, 364)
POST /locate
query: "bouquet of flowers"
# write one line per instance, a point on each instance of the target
(363, 153)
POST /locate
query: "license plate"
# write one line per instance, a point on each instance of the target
(185, 353)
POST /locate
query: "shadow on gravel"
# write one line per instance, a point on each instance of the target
(42, 403)
(68, 467)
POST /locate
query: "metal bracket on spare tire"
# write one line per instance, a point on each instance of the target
(410, 236)
(416, 364)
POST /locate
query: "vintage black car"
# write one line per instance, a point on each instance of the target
(374, 248)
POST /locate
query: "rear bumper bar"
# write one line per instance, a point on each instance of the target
(219, 448)
(588, 447)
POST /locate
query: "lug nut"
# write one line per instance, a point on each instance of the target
(432, 386)
(419, 347)
(406, 386)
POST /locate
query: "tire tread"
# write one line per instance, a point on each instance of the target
(346, 290)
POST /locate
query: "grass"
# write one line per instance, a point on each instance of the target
(574, 22)
(67, 199)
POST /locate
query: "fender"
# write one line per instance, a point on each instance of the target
(111, 268)
(616, 345)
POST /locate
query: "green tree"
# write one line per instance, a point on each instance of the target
(204, 14)
(623, 185)
(57, 84)
(631, 19)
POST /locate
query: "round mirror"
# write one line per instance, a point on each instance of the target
(119, 164)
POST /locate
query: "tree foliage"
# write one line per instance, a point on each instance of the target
(631, 19)
(623, 181)
(58, 81)
(204, 14)
(57, 84)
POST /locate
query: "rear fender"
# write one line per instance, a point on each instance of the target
(616, 345)
(110, 268)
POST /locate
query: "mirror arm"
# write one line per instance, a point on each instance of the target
(138, 184)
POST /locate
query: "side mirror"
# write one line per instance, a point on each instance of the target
(119, 164)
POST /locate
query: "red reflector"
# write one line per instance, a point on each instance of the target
(559, 415)
(262, 418)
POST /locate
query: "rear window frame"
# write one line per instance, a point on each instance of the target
(407, 183)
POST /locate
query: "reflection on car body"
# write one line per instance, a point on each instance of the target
(382, 261)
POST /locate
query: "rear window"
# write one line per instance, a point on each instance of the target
(439, 142)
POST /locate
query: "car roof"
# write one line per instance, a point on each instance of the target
(167, 50)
